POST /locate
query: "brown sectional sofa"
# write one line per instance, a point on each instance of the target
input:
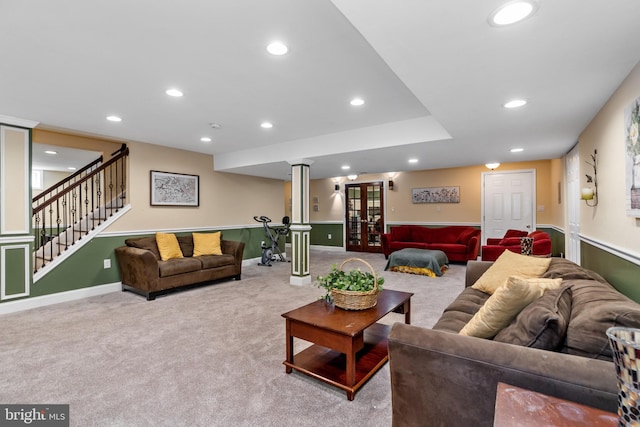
(460, 243)
(556, 345)
(142, 271)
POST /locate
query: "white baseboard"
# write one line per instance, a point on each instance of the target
(251, 261)
(76, 294)
(328, 248)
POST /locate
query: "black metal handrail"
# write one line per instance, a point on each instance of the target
(67, 213)
(68, 180)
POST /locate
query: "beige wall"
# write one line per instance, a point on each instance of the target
(557, 197)
(104, 146)
(609, 222)
(225, 199)
(469, 179)
(50, 178)
(14, 164)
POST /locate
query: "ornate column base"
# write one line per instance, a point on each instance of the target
(300, 255)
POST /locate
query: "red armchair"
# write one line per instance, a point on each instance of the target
(495, 247)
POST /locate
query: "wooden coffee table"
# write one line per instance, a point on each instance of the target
(349, 346)
(516, 406)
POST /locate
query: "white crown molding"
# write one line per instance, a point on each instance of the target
(15, 121)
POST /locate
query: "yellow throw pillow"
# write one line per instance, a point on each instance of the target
(510, 264)
(168, 246)
(206, 244)
(505, 304)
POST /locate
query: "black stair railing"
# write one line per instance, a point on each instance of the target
(68, 211)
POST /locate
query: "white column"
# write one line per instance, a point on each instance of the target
(300, 227)
(16, 237)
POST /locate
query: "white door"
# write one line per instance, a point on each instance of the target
(572, 241)
(508, 202)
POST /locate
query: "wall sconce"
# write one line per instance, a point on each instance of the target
(391, 184)
(492, 166)
(336, 187)
(589, 193)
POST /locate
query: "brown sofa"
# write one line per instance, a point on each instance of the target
(142, 271)
(460, 243)
(441, 378)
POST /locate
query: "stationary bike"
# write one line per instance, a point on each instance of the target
(271, 252)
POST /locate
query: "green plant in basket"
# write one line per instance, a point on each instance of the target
(354, 280)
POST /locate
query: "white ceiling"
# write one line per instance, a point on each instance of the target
(433, 75)
(64, 159)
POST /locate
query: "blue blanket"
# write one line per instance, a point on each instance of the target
(418, 258)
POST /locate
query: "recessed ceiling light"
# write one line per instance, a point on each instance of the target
(512, 12)
(277, 48)
(114, 119)
(205, 139)
(346, 167)
(51, 152)
(174, 92)
(266, 125)
(517, 150)
(515, 103)
(413, 160)
(356, 102)
(71, 168)
(215, 125)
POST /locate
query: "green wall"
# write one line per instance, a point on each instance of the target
(320, 232)
(14, 268)
(557, 241)
(85, 268)
(622, 274)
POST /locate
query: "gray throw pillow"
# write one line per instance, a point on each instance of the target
(543, 323)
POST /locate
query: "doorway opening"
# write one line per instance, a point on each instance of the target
(508, 202)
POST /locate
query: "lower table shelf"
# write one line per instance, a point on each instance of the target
(330, 366)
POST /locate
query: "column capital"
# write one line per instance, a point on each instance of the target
(307, 162)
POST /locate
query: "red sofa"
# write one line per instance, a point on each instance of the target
(458, 242)
(495, 247)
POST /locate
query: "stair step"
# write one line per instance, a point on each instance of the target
(69, 235)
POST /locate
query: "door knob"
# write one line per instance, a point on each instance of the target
(528, 225)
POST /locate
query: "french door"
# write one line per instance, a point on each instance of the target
(364, 216)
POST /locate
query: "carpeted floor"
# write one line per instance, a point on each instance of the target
(210, 356)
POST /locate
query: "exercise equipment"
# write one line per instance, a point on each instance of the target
(271, 249)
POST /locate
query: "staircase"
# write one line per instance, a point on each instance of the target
(71, 212)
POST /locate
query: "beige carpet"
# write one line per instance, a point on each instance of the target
(210, 356)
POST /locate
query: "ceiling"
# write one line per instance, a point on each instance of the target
(433, 75)
(64, 159)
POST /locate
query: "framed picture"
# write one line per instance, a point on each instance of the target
(435, 195)
(174, 189)
(632, 160)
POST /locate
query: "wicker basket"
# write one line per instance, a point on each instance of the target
(356, 300)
